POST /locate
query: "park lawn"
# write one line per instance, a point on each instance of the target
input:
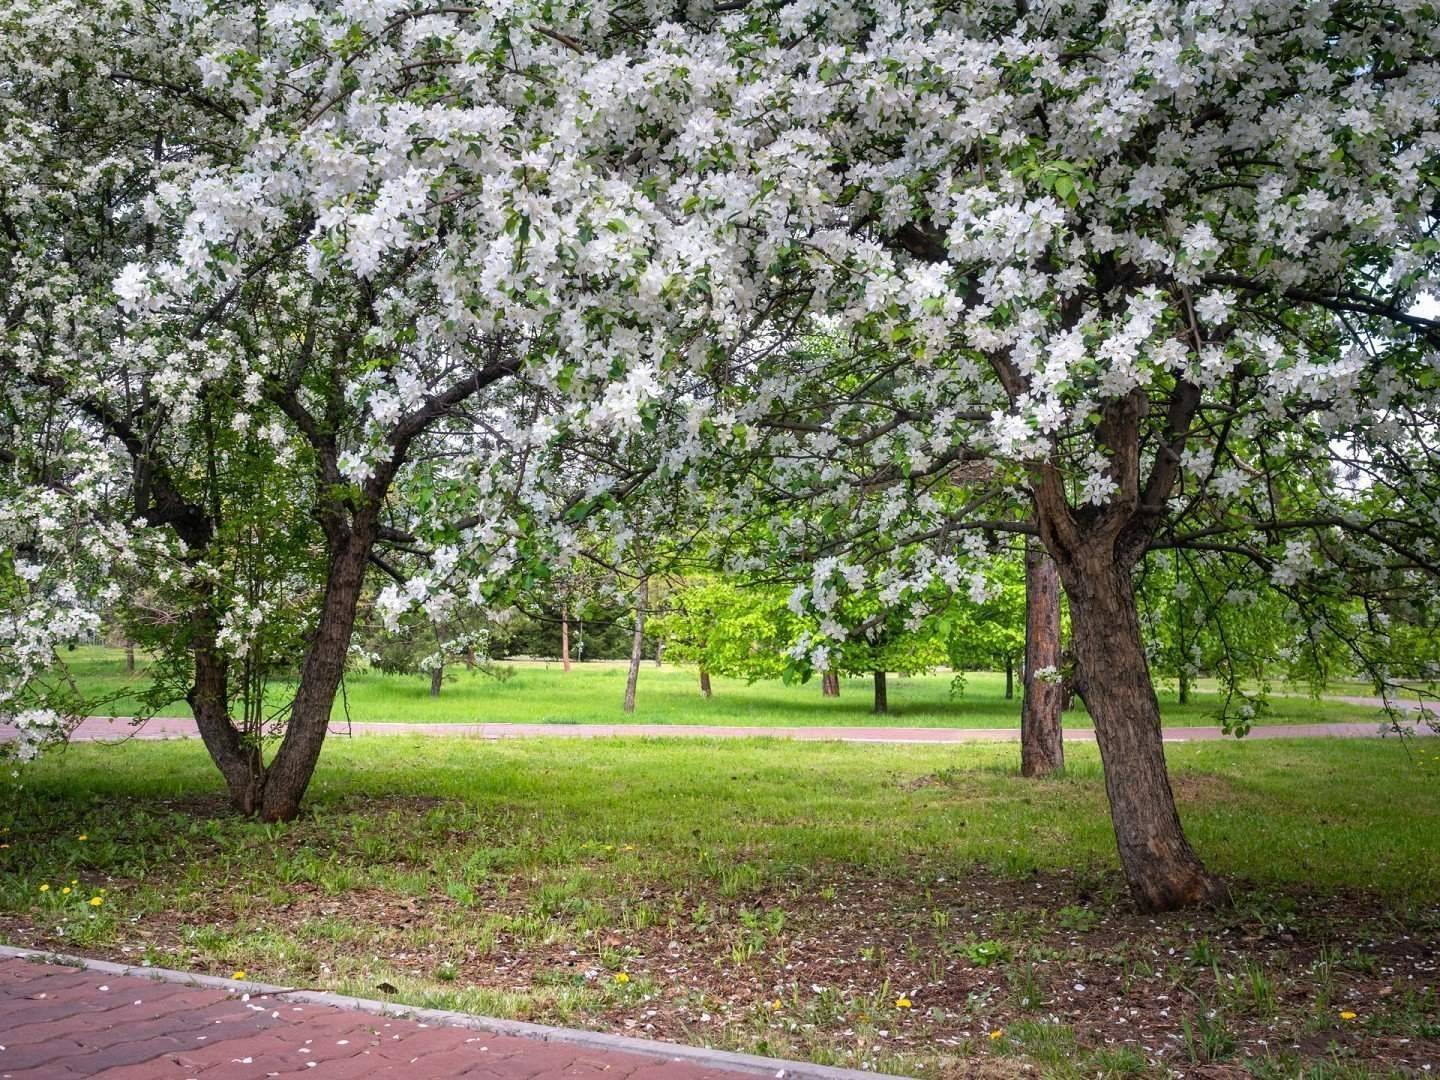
(592, 693)
(915, 909)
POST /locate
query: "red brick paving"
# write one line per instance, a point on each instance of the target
(57, 1023)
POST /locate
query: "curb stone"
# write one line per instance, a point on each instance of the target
(593, 1040)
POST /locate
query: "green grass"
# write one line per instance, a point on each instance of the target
(1313, 813)
(592, 694)
(522, 878)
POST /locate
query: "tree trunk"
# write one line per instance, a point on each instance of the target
(659, 652)
(471, 660)
(237, 758)
(830, 684)
(1042, 747)
(1184, 683)
(1163, 871)
(705, 683)
(130, 657)
(882, 705)
(1009, 678)
(320, 674)
(437, 676)
(636, 644)
(565, 638)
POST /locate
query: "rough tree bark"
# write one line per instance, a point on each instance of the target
(1042, 747)
(882, 703)
(830, 684)
(294, 763)
(237, 759)
(642, 595)
(705, 683)
(1163, 871)
(1096, 550)
(437, 677)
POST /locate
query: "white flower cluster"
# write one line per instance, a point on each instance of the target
(875, 271)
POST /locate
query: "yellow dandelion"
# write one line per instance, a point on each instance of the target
(622, 978)
(996, 1034)
(238, 975)
(775, 1005)
(45, 887)
(902, 1003)
(1347, 1015)
(82, 837)
(65, 891)
(96, 901)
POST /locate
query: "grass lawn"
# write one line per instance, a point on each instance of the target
(915, 909)
(593, 693)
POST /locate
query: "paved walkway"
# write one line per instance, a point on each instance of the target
(107, 729)
(58, 1023)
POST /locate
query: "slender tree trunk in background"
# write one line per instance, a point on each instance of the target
(636, 644)
(1042, 747)
(659, 652)
(1181, 655)
(1009, 677)
(130, 657)
(437, 676)
(471, 661)
(1163, 871)
(882, 704)
(830, 684)
(320, 674)
(565, 638)
(704, 683)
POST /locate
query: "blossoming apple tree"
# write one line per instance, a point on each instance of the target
(1147, 259)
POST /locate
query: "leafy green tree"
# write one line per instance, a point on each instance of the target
(989, 634)
(728, 629)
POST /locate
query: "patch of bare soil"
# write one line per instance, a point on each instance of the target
(972, 975)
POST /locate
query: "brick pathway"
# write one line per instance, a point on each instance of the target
(62, 1022)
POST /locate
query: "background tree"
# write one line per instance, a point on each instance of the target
(727, 629)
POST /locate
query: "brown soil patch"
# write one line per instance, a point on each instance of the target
(972, 956)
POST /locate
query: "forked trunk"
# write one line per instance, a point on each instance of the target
(705, 683)
(636, 644)
(1042, 746)
(1163, 871)
(237, 758)
(320, 674)
(882, 702)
